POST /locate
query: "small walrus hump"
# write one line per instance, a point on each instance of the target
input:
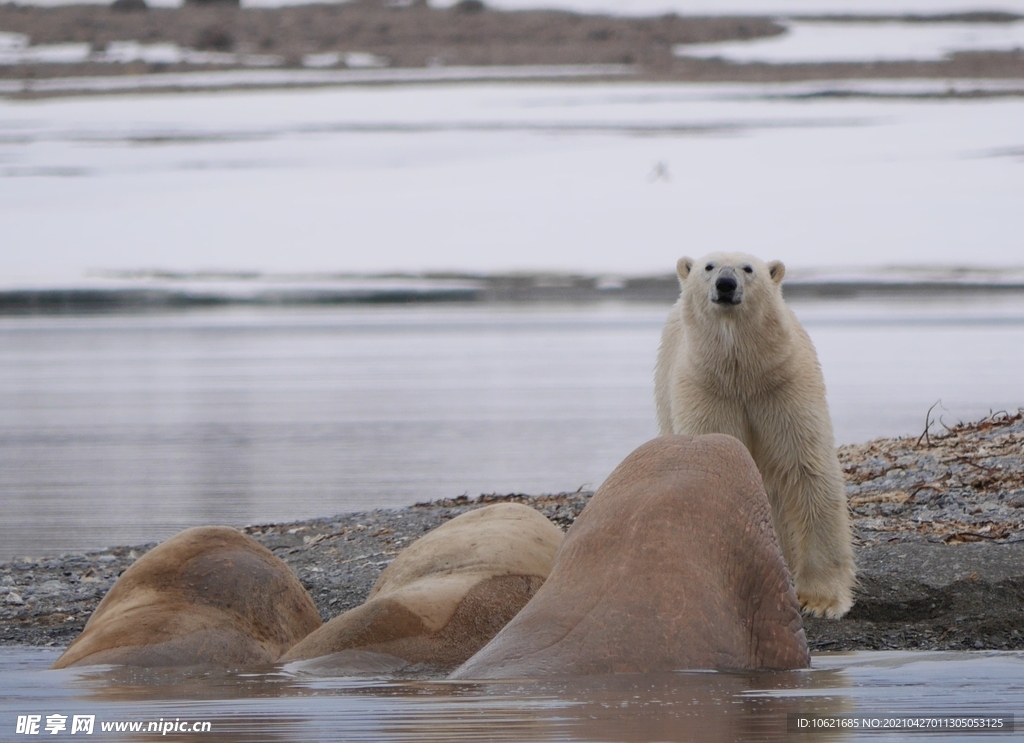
(444, 596)
(209, 595)
(672, 565)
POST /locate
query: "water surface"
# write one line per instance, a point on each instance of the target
(122, 429)
(281, 706)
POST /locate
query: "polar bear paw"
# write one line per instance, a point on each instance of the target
(830, 607)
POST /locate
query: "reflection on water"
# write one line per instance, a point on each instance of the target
(276, 706)
(124, 429)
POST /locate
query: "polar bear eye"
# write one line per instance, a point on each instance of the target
(709, 266)
(748, 269)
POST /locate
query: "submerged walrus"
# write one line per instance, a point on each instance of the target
(672, 565)
(209, 595)
(444, 596)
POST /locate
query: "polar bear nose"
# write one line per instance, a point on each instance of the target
(725, 285)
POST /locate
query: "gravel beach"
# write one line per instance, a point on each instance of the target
(939, 533)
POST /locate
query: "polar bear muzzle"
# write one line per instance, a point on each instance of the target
(726, 289)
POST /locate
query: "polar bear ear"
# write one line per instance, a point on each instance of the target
(683, 266)
(777, 269)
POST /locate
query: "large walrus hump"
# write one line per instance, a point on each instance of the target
(672, 565)
(444, 596)
(209, 595)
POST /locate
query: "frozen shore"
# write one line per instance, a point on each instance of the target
(58, 50)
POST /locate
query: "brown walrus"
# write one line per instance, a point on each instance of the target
(444, 596)
(209, 595)
(672, 565)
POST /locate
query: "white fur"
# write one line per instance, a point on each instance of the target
(749, 369)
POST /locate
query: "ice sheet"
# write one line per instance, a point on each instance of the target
(808, 42)
(616, 178)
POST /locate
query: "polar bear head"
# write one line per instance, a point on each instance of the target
(724, 281)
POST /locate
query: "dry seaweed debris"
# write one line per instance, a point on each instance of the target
(963, 484)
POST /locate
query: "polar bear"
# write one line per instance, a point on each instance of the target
(735, 360)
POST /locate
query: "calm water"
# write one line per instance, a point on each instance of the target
(704, 707)
(123, 429)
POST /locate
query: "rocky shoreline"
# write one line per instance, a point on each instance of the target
(939, 533)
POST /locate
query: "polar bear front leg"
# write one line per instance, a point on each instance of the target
(810, 513)
(794, 453)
